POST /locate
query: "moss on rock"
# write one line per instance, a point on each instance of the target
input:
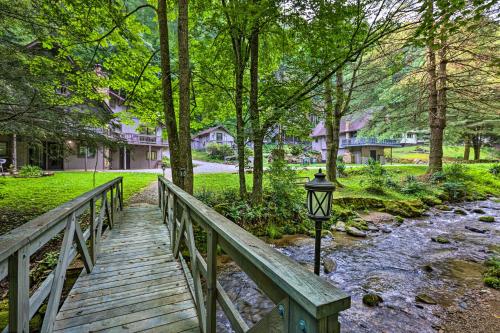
(488, 219)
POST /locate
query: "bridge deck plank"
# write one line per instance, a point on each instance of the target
(136, 284)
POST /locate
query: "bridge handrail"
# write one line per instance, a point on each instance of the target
(303, 299)
(16, 247)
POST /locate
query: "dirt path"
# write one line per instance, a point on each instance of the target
(148, 195)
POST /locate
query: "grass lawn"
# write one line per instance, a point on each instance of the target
(39, 195)
(450, 153)
(481, 181)
(201, 155)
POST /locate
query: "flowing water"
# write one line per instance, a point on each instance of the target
(397, 266)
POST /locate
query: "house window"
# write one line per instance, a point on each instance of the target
(3, 148)
(146, 130)
(316, 140)
(219, 137)
(84, 149)
(152, 155)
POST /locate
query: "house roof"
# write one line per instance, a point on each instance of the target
(209, 130)
(351, 123)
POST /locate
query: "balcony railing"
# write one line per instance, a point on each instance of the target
(135, 138)
(357, 142)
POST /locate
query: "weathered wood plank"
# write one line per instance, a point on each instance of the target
(19, 286)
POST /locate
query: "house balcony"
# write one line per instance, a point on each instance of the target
(364, 142)
(143, 139)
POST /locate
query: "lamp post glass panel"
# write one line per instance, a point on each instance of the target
(319, 208)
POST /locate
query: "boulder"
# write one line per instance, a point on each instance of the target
(478, 211)
(385, 230)
(424, 298)
(460, 211)
(473, 229)
(489, 219)
(440, 240)
(378, 217)
(339, 226)
(443, 208)
(372, 299)
(353, 231)
(329, 265)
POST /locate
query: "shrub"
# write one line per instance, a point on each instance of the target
(30, 171)
(376, 177)
(219, 151)
(455, 190)
(341, 167)
(492, 275)
(438, 177)
(296, 150)
(456, 172)
(412, 186)
(495, 169)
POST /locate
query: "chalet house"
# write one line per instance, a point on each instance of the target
(353, 149)
(218, 134)
(140, 147)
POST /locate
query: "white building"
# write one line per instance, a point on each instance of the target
(218, 134)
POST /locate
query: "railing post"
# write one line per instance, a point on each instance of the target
(19, 286)
(112, 203)
(93, 227)
(121, 193)
(211, 280)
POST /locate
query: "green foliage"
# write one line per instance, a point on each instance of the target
(44, 266)
(296, 150)
(341, 167)
(456, 172)
(411, 185)
(492, 276)
(376, 177)
(456, 190)
(30, 171)
(165, 161)
(219, 151)
(495, 169)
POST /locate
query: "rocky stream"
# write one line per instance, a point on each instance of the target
(427, 272)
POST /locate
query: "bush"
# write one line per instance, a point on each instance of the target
(296, 150)
(438, 177)
(412, 186)
(341, 167)
(495, 170)
(30, 171)
(456, 172)
(492, 275)
(455, 190)
(219, 151)
(376, 177)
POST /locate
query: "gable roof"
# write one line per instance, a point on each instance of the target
(351, 123)
(210, 130)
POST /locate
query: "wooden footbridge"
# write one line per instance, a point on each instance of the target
(135, 277)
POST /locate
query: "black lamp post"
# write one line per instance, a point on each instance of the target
(163, 167)
(319, 207)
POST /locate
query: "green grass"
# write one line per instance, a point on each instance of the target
(450, 153)
(45, 193)
(201, 155)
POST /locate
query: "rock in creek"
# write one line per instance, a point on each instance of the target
(440, 240)
(460, 212)
(329, 265)
(355, 232)
(489, 219)
(372, 299)
(423, 298)
(478, 211)
(339, 226)
(473, 229)
(443, 208)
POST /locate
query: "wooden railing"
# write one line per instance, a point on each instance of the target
(103, 203)
(304, 301)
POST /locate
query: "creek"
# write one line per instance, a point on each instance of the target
(397, 265)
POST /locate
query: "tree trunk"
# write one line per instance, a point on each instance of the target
(476, 145)
(167, 96)
(240, 127)
(436, 130)
(332, 124)
(258, 165)
(186, 161)
(466, 147)
(14, 152)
